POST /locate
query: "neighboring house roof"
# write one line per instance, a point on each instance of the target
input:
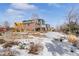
(39, 21)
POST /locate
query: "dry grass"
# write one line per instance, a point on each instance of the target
(9, 44)
(35, 49)
(2, 41)
(72, 38)
(29, 37)
(38, 35)
(76, 44)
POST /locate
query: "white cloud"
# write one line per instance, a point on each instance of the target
(13, 12)
(17, 11)
(23, 6)
(20, 9)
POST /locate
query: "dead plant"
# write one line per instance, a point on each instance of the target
(2, 41)
(35, 48)
(10, 44)
(72, 38)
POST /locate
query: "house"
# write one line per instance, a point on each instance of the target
(19, 27)
(32, 25)
(35, 25)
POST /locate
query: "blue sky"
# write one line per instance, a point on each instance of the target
(53, 13)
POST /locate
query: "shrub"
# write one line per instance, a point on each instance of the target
(9, 44)
(2, 41)
(22, 46)
(35, 49)
(72, 38)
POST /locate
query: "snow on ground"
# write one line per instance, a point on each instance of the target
(52, 46)
(59, 48)
(54, 35)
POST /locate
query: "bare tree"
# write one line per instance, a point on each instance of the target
(72, 18)
(72, 24)
(6, 25)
